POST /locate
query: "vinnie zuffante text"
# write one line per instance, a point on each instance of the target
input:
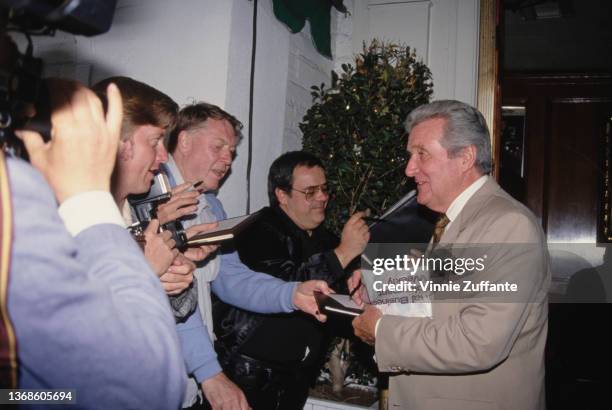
(450, 286)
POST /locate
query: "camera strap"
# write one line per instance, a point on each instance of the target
(8, 345)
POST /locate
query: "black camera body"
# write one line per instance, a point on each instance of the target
(22, 90)
(83, 17)
(144, 208)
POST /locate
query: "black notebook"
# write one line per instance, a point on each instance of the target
(335, 303)
(227, 229)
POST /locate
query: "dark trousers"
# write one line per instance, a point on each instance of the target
(269, 386)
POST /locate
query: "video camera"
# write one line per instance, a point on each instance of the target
(24, 97)
(145, 206)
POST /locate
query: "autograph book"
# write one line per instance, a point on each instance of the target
(226, 230)
(336, 303)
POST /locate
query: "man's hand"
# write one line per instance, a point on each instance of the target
(159, 248)
(303, 297)
(83, 148)
(353, 282)
(223, 394)
(181, 203)
(365, 324)
(354, 239)
(179, 275)
(201, 252)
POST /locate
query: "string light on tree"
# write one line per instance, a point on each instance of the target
(364, 108)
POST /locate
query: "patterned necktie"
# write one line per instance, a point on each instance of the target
(439, 228)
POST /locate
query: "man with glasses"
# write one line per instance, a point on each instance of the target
(273, 358)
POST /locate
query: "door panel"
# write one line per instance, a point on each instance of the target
(565, 120)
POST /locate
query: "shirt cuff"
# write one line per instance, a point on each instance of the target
(87, 209)
(376, 327)
(207, 371)
(287, 299)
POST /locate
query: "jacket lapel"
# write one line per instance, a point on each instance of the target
(469, 211)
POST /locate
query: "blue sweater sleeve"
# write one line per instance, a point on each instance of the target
(238, 285)
(89, 314)
(255, 291)
(198, 352)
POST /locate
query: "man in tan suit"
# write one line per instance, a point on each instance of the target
(472, 353)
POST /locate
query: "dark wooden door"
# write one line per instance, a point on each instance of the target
(563, 159)
(563, 149)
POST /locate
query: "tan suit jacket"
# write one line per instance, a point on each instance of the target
(474, 354)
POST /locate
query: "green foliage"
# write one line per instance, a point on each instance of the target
(356, 128)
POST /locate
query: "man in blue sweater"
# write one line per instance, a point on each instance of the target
(203, 146)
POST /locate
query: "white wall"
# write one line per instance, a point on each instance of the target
(201, 50)
(286, 66)
(179, 47)
(342, 34)
(272, 54)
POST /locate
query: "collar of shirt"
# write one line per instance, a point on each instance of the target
(457, 205)
(292, 226)
(176, 178)
(126, 213)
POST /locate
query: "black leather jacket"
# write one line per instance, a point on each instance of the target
(276, 246)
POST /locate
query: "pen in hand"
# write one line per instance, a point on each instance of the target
(355, 289)
(197, 186)
(372, 219)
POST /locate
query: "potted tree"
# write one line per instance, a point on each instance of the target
(356, 127)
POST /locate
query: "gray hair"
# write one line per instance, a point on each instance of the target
(465, 126)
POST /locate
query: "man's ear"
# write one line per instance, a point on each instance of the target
(468, 157)
(184, 142)
(126, 149)
(281, 196)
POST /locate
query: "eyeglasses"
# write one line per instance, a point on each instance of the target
(311, 191)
